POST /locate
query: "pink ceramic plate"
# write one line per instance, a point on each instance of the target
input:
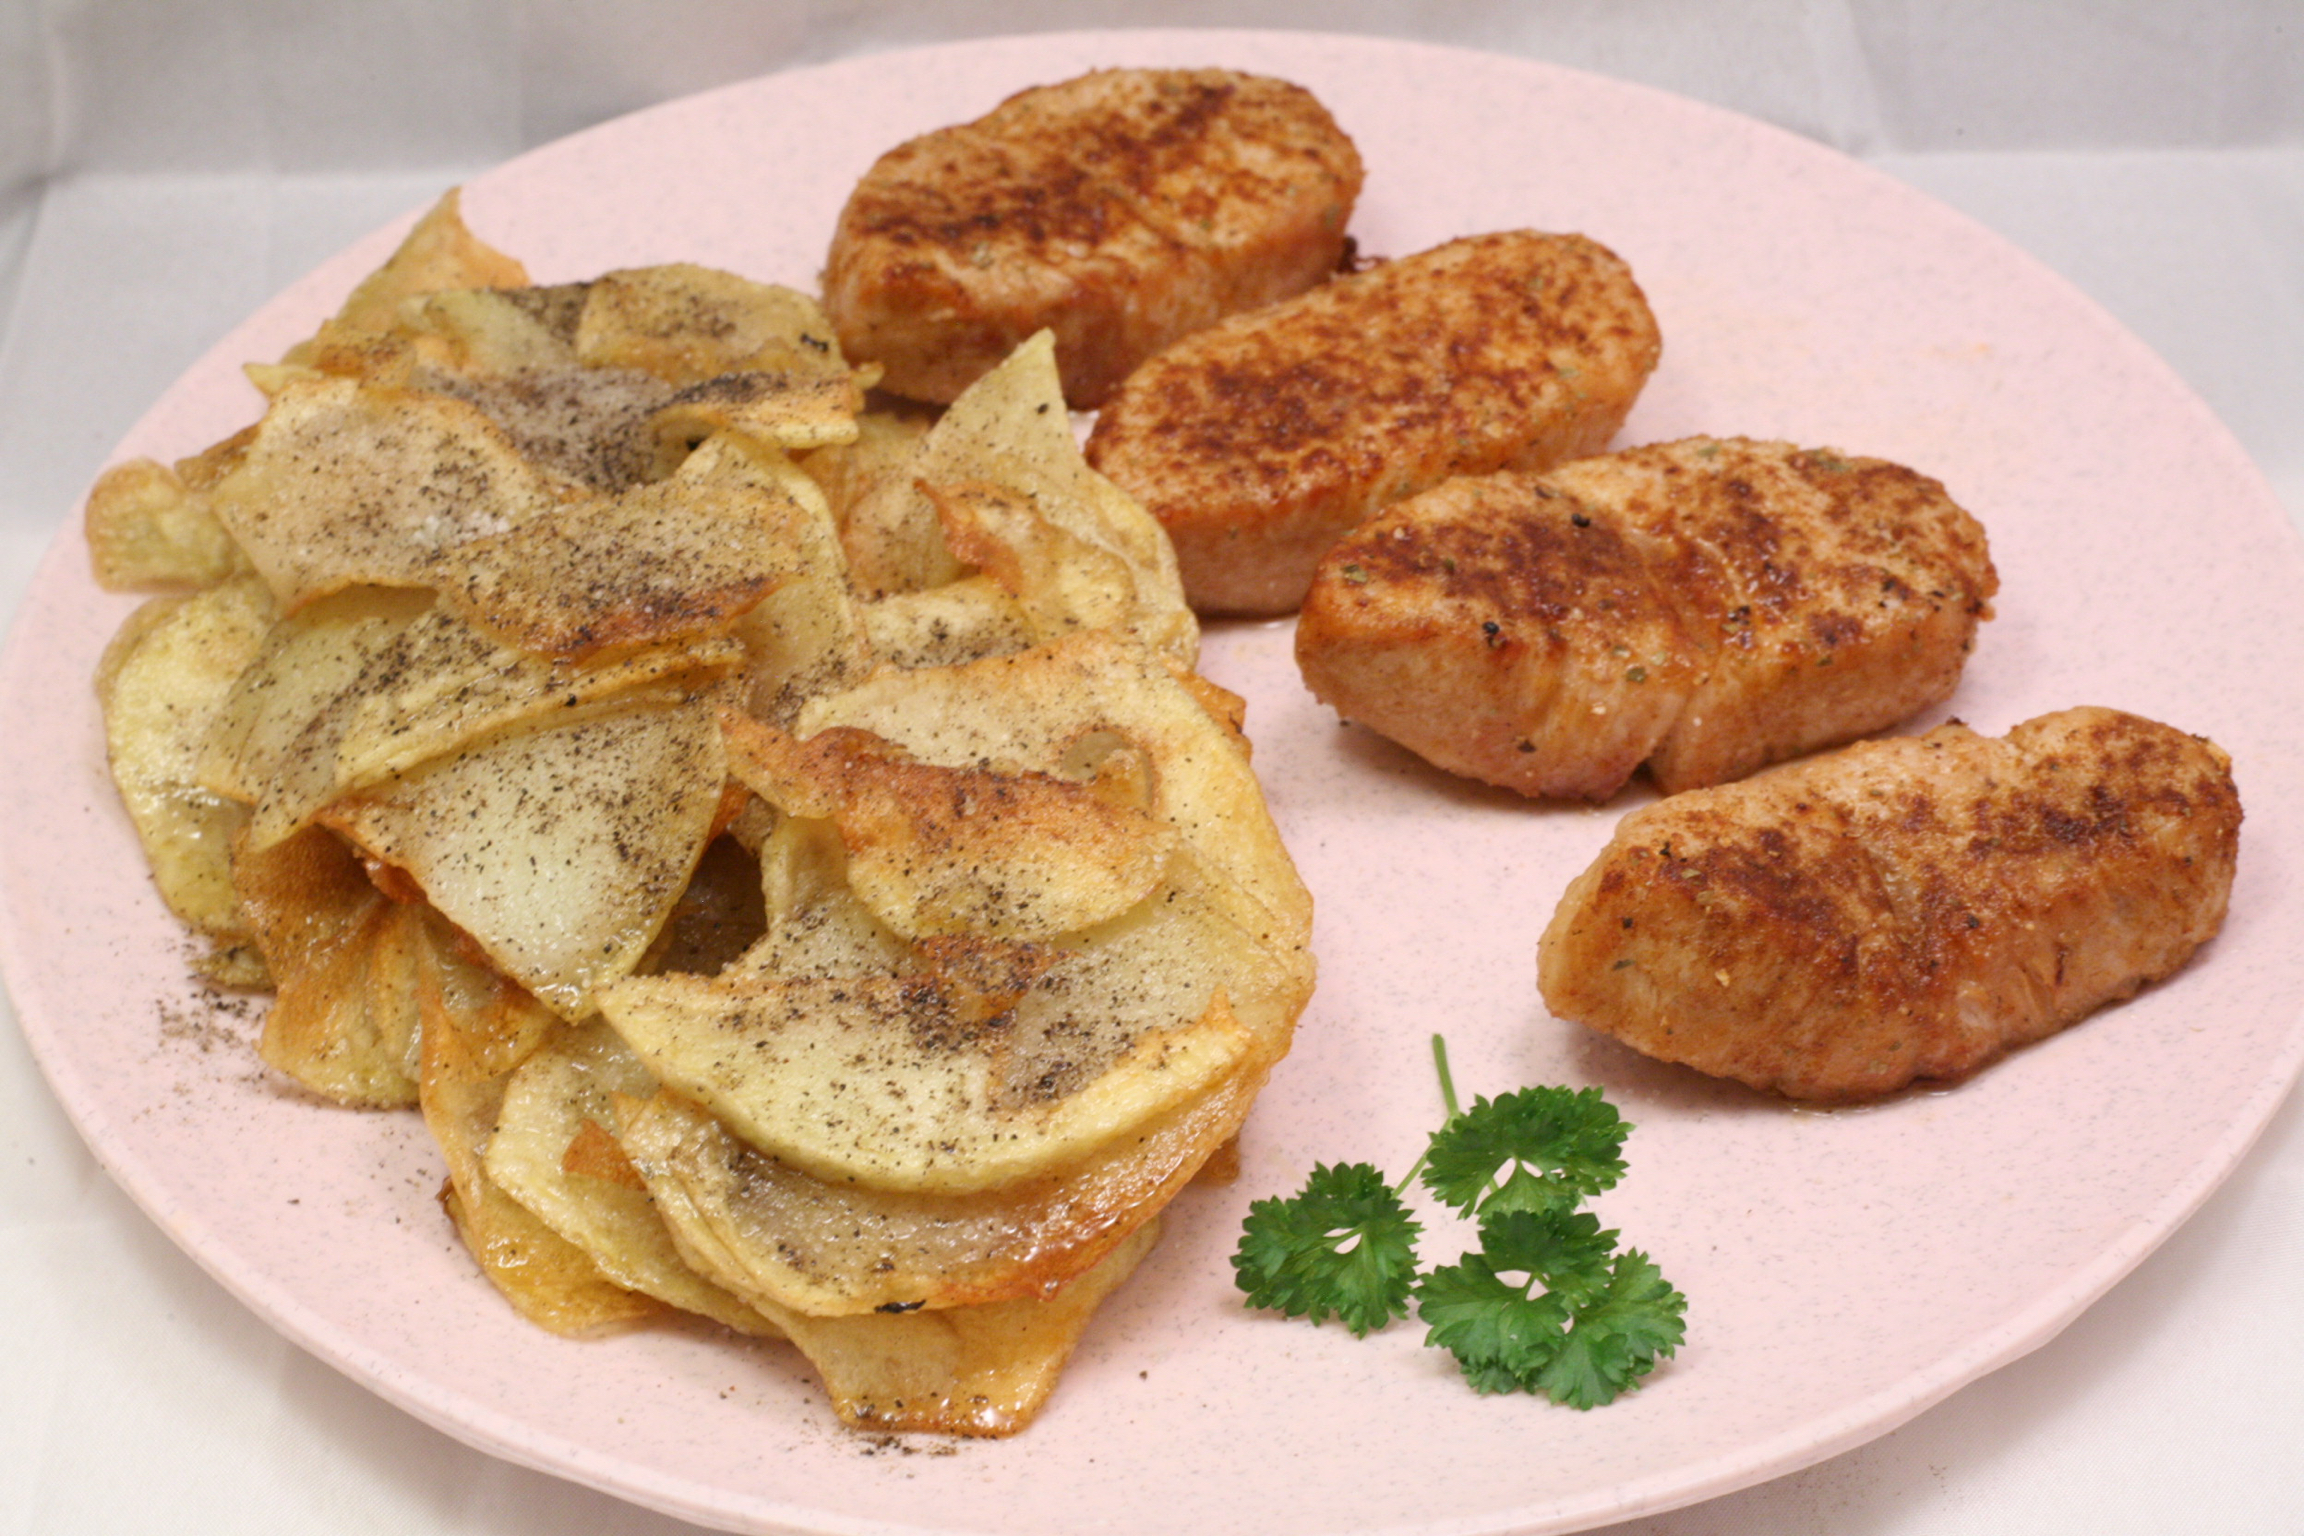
(1845, 1270)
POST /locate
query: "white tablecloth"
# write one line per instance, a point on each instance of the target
(164, 167)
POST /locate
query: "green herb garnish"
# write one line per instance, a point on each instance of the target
(1547, 1303)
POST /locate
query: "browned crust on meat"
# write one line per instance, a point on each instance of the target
(1705, 607)
(1122, 209)
(1498, 629)
(1261, 440)
(1901, 910)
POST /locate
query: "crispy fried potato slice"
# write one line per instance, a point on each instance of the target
(835, 1249)
(349, 484)
(560, 851)
(272, 742)
(981, 1371)
(148, 530)
(1010, 430)
(813, 924)
(600, 1204)
(937, 850)
(439, 253)
(791, 411)
(919, 1081)
(1037, 710)
(963, 620)
(665, 562)
(345, 961)
(162, 684)
(369, 683)
(442, 685)
(477, 1023)
(1060, 581)
(547, 1279)
(686, 324)
(889, 535)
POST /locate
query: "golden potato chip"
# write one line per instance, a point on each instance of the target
(686, 324)
(560, 851)
(901, 1081)
(566, 1086)
(1060, 581)
(439, 253)
(492, 332)
(937, 850)
(441, 685)
(832, 1249)
(352, 484)
(983, 1371)
(148, 530)
(1010, 430)
(344, 1020)
(890, 539)
(547, 1279)
(812, 922)
(789, 411)
(1029, 710)
(162, 685)
(272, 742)
(593, 426)
(477, 1024)
(663, 562)
(963, 620)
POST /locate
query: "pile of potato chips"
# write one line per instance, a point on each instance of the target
(780, 844)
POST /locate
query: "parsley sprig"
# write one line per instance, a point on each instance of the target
(1548, 1303)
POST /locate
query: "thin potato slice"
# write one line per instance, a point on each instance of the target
(834, 1249)
(148, 530)
(477, 1025)
(791, 411)
(892, 543)
(272, 743)
(937, 1082)
(686, 324)
(345, 961)
(1033, 710)
(559, 851)
(162, 685)
(813, 923)
(443, 685)
(963, 620)
(439, 253)
(1060, 580)
(547, 1279)
(659, 563)
(981, 1371)
(1010, 430)
(349, 483)
(600, 1204)
(937, 850)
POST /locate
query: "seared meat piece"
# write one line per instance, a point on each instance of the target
(1259, 441)
(1705, 606)
(1900, 910)
(1122, 209)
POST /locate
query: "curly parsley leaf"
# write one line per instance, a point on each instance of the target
(1540, 1149)
(1344, 1247)
(1575, 1326)
(1616, 1338)
(1501, 1309)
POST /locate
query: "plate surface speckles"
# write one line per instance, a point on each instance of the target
(1845, 1270)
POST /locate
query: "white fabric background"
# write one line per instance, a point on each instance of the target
(166, 165)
